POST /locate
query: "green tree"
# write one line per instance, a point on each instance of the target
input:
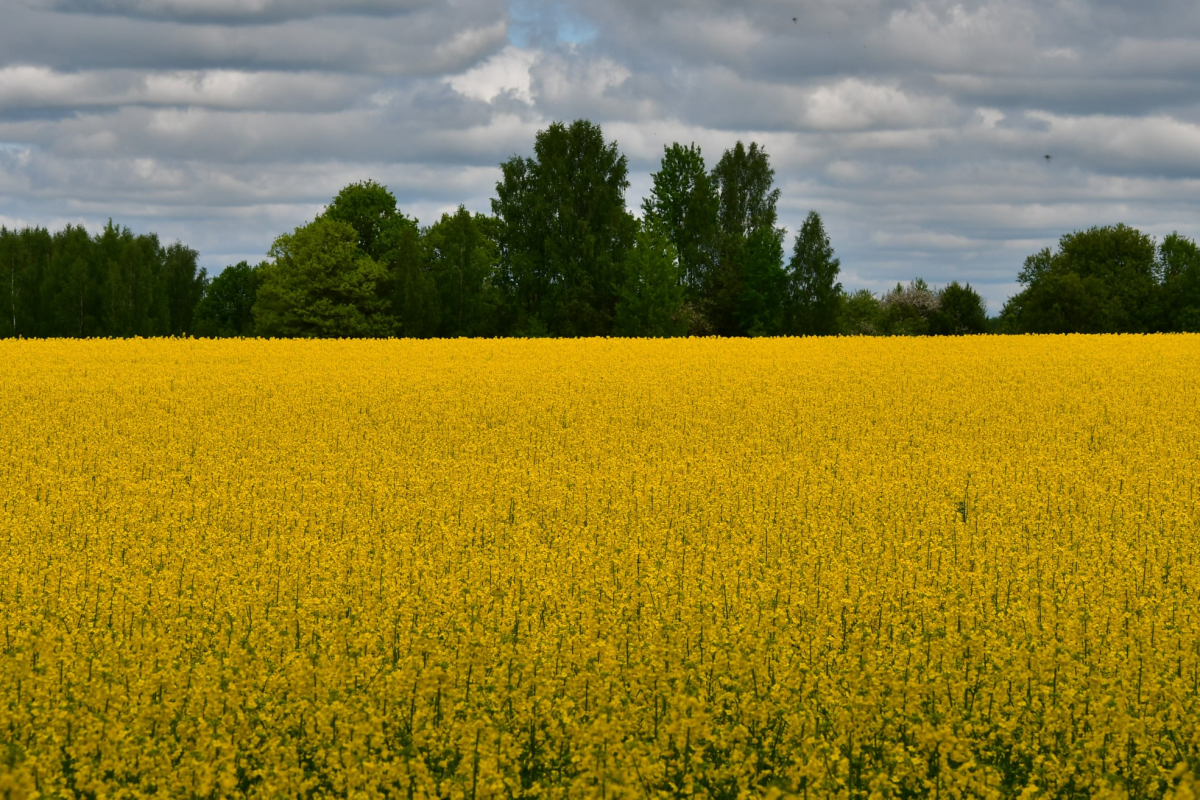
(462, 254)
(1102, 280)
(393, 241)
(908, 310)
(321, 284)
(76, 287)
(227, 308)
(652, 296)
(860, 314)
(1062, 303)
(683, 201)
(413, 293)
(371, 210)
(183, 285)
(564, 232)
(746, 203)
(134, 295)
(960, 311)
(1179, 275)
(762, 284)
(813, 293)
(24, 258)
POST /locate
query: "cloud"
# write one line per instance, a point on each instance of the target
(916, 127)
(257, 11)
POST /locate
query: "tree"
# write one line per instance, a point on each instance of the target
(652, 296)
(410, 287)
(860, 314)
(1179, 274)
(370, 209)
(24, 256)
(813, 293)
(321, 284)
(762, 284)
(134, 295)
(960, 310)
(393, 241)
(564, 231)
(227, 308)
(746, 204)
(462, 255)
(1102, 280)
(183, 284)
(684, 203)
(909, 310)
(77, 284)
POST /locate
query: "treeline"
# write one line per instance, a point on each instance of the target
(561, 255)
(112, 284)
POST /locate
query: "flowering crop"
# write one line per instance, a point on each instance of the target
(472, 569)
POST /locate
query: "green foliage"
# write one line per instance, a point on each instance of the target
(860, 314)
(684, 202)
(412, 289)
(462, 254)
(813, 297)
(564, 232)
(370, 209)
(562, 256)
(960, 311)
(321, 284)
(1102, 280)
(759, 308)
(184, 283)
(227, 308)
(1179, 272)
(652, 296)
(908, 310)
(112, 284)
(746, 204)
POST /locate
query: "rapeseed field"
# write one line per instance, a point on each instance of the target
(690, 568)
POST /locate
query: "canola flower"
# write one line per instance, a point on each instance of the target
(785, 568)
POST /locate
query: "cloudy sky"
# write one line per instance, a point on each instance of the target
(918, 128)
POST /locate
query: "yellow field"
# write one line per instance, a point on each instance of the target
(948, 568)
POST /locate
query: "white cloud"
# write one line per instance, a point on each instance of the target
(506, 72)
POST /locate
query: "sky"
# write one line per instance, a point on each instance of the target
(917, 129)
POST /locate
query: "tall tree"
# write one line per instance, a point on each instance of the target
(321, 284)
(24, 260)
(564, 231)
(227, 308)
(747, 203)
(763, 282)
(183, 284)
(813, 293)
(652, 296)
(393, 241)
(462, 255)
(77, 285)
(683, 202)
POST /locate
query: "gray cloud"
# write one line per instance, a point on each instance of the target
(917, 127)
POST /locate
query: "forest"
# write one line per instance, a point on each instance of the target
(562, 255)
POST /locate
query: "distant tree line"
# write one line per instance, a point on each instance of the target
(561, 255)
(112, 284)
